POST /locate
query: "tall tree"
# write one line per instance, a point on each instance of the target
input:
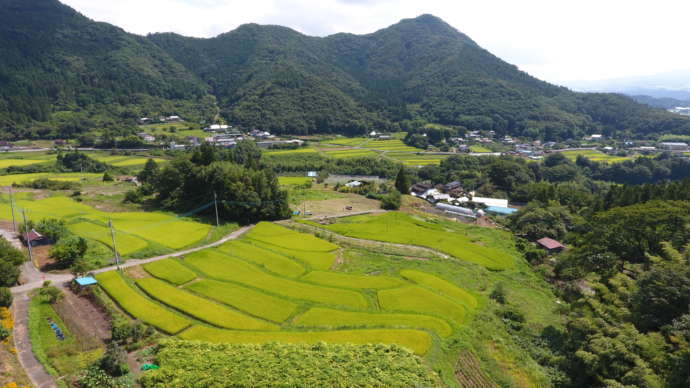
(402, 181)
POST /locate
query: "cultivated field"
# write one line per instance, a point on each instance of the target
(8, 180)
(416, 159)
(274, 284)
(448, 237)
(595, 156)
(135, 231)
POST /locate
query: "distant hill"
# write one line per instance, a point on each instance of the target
(660, 102)
(418, 70)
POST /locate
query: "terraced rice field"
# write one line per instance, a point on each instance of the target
(479, 149)
(123, 160)
(8, 180)
(352, 141)
(306, 150)
(349, 153)
(139, 306)
(416, 299)
(201, 308)
(246, 299)
(273, 262)
(4, 163)
(416, 159)
(125, 243)
(389, 145)
(293, 180)
(245, 291)
(135, 230)
(330, 318)
(402, 228)
(170, 270)
(595, 156)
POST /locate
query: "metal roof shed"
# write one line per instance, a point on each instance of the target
(86, 281)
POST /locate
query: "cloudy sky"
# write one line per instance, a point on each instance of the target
(558, 41)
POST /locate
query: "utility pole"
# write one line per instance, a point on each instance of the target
(26, 237)
(112, 234)
(14, 220)
(215, 204)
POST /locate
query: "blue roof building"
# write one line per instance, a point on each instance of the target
(86, 281)
(500, 210)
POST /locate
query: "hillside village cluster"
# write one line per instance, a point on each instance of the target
(225, 135)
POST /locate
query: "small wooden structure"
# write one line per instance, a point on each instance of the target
(551, 245)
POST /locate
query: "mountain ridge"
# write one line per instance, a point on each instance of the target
(415, 71)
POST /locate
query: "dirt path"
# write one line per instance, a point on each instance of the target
(38, 376)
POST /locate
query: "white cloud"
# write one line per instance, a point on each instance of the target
(554, 40)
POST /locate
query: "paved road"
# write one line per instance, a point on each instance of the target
(35, 278)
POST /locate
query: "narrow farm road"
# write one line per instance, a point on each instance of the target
(35, 278)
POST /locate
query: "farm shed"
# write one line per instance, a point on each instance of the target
(550, 244)
(500, 210)
(34, 238)
(79, 285)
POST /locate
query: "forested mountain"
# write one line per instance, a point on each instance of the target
(54, 60)
(420, 70)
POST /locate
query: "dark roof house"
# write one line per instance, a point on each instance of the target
(455, 185)
(420, 188)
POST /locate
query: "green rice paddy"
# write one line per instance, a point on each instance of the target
(293, 180)
(330, 318)
(420, 300)
(139, 306)
(170, 270)
(255, 289)
(416, 340)
(4, 163)
(134, 230)
(246, 299)
(595, 155)
(402, 228)
(201, 308)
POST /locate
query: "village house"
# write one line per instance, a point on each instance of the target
(146, 137)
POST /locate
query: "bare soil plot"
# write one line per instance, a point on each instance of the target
(339, 206)
(83, 319)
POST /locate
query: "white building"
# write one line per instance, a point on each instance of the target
(674, 146)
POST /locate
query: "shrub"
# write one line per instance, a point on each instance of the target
(114, 361)
(498, 294)
(5, 297)
(51, 294)
(52, 228)
(107, 177)
(4, 333)
(391, 201)
(133, 196)
(68, 250)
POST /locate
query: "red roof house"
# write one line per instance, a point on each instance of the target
(34, 238)
(550, 244)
